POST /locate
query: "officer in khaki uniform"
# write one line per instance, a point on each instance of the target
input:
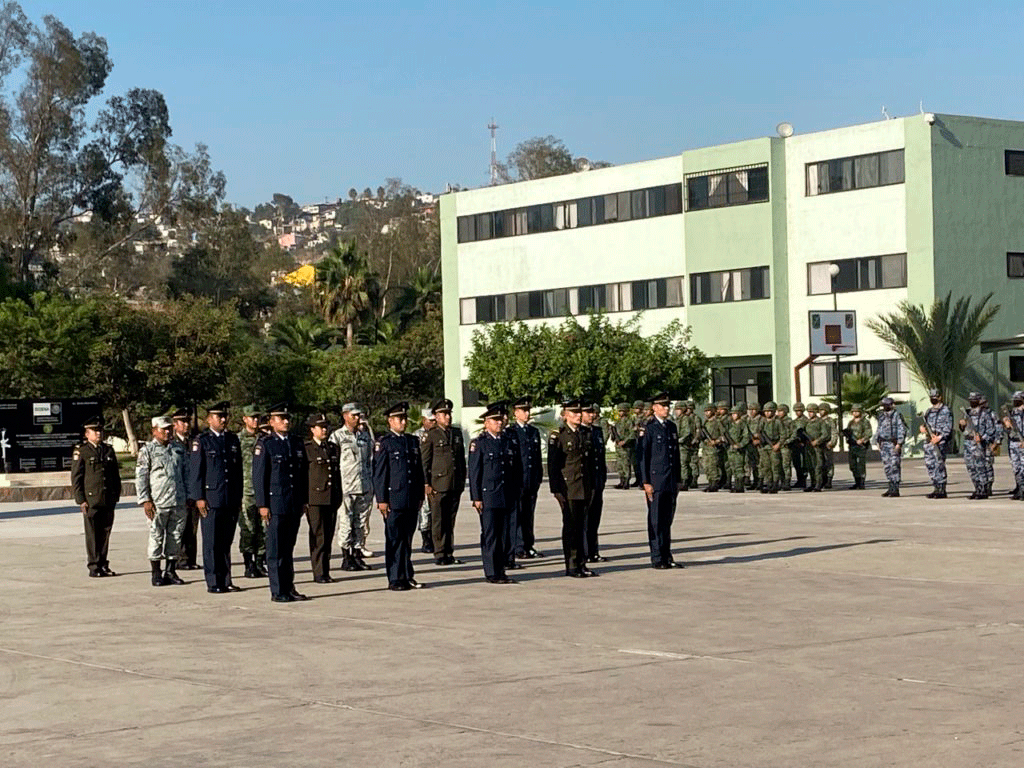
(443, 454)
(322, 497)
(96, 482)
(571, 480)
(252, 542)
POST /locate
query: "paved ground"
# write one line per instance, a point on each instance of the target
(835, 629)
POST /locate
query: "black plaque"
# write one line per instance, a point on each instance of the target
(39, 435)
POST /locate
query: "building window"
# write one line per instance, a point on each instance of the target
(746, 385)
(864, 274)
(734, 285)
(847, 173)
(1015, 265)
(1017, 368)
(894, 373)
(468, 311)
(663, 200)
(1015, 162)
(731, 186)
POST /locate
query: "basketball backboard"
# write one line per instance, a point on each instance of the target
(833, 333)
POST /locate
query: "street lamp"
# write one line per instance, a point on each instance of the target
(833, 272)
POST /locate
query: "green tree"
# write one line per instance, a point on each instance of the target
(301, 334)
(936, 342)
(420, 295)
(343, 288)
(864, 389)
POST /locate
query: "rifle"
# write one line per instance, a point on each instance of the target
(970, 429)
(927, 430)
(851, 441)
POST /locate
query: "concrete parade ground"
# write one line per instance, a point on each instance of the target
(829, 629)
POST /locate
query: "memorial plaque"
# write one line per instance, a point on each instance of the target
(39, 435)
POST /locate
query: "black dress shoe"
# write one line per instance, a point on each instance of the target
(324, 580)
(399, 586)
(575, 574)
(597, 559)
(233, 588)
(535, 553)
(295, 595)
(660, 566)
(105, 569)
(674, 564)
(586, 572)
(524, 555)
(217, 590)
(513, 566)
(494, 579)
(96, 574)
(413, 584)
(282, 599)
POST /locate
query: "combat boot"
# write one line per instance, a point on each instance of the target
(889, 491)
(935, 492)
(986, 490)
(428, 542)
(171, 574)
(250, 572)
(261, 566)
(977, 492)
(348, 561)
(1016, 494)
(361, 564)
(158, 574)
(895, 490)
(940, 491)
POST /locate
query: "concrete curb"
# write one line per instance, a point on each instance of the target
(51, 492)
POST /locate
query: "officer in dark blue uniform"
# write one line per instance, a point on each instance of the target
(527, 438)
(590, 422)
(494, 478)
(398, 486)
(280, 485)
(215, 485)
(570, 477)
(660, 473)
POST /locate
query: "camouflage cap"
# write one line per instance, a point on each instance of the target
(825, 408)
(887, 401)
(783, 407)
(934, 393)
(812, 408)
(720, 404)
(688, 403)
(771, 405)
(251, 410)
(798, 406)
(753, 406)
(709, 407)
(647, 404)
(622, 407)
(974, 396)
(856, 407)
(638, 403)
(736, 409)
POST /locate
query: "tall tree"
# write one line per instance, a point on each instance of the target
(936, 342)
(343, 288)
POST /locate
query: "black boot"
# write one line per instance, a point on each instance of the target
(260, 566)
(171, 574)
(1016, 494)
(158, 574)
(986, 490)
(940, 491)
(348, 562)
(361, 564)
(977, 492)
(250, 566)
(428, 542)
(895, 490)
(935, 492)
(889, 491)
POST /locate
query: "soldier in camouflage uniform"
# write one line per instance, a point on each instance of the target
(1013, 422)
(620, 432)
(801, 456)
(938, 434)
(788, 430)
(737, 433)
(689, 443)
(771, 450)
(859, 436)
(817, 436)
(252, 541)
(825, 413)
(979, 429)
(722, 416)
(754, 421)
(160, 485)
(892, 433)
(695, 451)
(709, 448)
(636, 421)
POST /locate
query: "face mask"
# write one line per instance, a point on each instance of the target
(935, 401)
(886, 408)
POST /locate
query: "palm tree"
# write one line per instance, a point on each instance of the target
(420, 295)
(343, 288)
(864, 389)
(301, 334)
(937, 343)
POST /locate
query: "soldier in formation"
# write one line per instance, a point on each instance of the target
(427, 422)
(592, 425)
(737, 435)
(938, 435)
(858, 434)
(688, 426)
(978, 426)
(160, 487)
(828, 454)
(355, 454)
(443, 457)
(181, 441)
(891, 435)
(96, 484)
(1013, 422)
(788, 430)
(817, 436)
(660, 472)
(495, 474)
(713, 442)
(772, 437)
(621, 431)
(252, 541)
(571, 481)
(799, 445)
(526, 437)
(323, 495)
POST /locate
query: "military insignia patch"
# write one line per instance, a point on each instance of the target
(75, 455)
(257, 450)
(472, 446)
(195, 447)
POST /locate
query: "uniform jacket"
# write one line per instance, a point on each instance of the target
(891, 427)
(95, 475)
(571, 463)
(527, 439)
(398, 471)
(443, 454)
(495, 473)
(659, 458)
(982, 422)
(738, 435)
(817, 431)
(600, 465)
(324, 484)
(248, 444)
(861, 430)
(160, 475)
(279, 474)
(215, 470)
(355, 460)
(773, 432)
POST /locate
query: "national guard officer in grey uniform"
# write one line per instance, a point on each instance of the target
(494, 476)
(591, 423)
(1013, 422)
(979, 428)
(96, 482)
(570, 478)
(398, 486)
(527, 440)
(160, 487)
(181, 441)
(938, 434)
(443, 455)
(279, 485)
(892, 433)
(215, 485)
(355, 457)
(252, 541)
(659, 473)
(322, 497)
(427, 421)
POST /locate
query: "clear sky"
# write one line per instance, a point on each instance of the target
(312, 98)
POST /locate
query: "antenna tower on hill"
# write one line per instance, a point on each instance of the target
(493, 128)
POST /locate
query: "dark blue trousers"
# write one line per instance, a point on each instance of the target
(574, 522)
(494, 549)
(399, 529)
(523, 520)
(218, 532)
(661, 511)
(282, 531)
(594, 522)
(510, 534)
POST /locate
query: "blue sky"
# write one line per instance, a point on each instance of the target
(312, 98)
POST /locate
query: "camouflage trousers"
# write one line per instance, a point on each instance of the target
(829, 456)
(892, 461)
(1017, 461)
(753, 464)
(787, 465)
(624, 464)
(815, 466)
(738, 460)
(354, 519)
(252, 537)
(935, 462)
(770, 466)
(694, 465)
(686, 464)
(709, 457)
(978, 459)
(858, 462)
(165, 531)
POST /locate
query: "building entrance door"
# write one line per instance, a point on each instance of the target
(746, 384)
